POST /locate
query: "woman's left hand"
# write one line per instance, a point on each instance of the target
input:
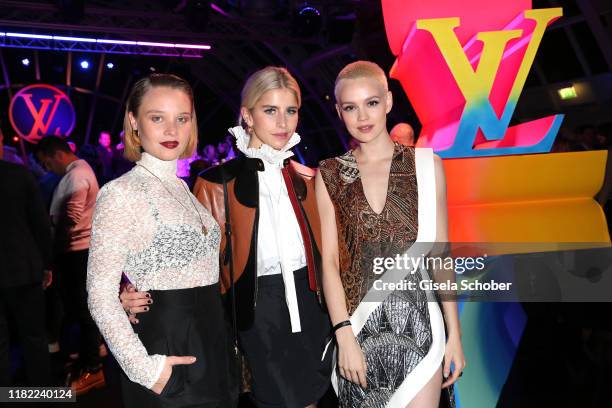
(453, 354)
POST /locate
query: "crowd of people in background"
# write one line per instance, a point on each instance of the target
(587, 137)
(54, 189)
(108, 163)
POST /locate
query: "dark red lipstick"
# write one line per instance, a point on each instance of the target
(170, 145)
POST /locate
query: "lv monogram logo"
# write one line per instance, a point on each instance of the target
(477, 85)
(40, 110)
(463, 69)
(41, 126)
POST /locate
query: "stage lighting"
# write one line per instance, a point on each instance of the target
(84, 64)
(568, 93)
(307, 20)
(25, 62)
(110, 65)
(15, 139)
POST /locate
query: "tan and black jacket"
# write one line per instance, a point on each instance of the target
(240, 174)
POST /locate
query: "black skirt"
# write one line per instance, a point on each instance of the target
(286, 367)
(187, 322)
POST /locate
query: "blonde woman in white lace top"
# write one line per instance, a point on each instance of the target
(148, 226)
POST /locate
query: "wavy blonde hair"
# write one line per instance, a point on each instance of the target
(264, 80)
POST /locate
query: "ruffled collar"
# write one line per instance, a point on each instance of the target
(265, 152)
(161, 168)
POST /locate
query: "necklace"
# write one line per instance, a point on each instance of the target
(204, 230)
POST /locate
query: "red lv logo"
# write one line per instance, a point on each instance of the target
(41, 127)
(39, 110)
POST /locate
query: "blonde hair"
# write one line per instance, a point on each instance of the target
(361, 69)
(265, 80)
(133, 148)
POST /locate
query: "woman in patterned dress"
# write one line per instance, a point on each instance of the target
(148, 226)
(377, 201)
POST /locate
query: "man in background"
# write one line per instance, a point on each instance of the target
(120, 164)
(72, 207)
(105, 151)
(403, 134)
(9, 154)
(25, 254)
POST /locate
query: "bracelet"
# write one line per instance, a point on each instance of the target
(341, 325)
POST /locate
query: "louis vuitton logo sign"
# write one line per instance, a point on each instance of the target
(464, 77)
(40, 110)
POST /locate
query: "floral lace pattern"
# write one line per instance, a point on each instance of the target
(146, 226)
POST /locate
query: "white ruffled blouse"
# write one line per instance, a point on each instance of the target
(280, 248)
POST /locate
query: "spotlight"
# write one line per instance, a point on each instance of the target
(110, 65)
(84, 64)
(307, 20)
(309, 11)
(15, 139)
(25, 62)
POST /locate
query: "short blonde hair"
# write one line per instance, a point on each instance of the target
(133, 148)
(264, 80)
(361, 69)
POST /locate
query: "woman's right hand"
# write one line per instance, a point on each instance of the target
(351, 360)
(161, 382)
(134, 302)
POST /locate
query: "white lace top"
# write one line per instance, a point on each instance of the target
(151, 232)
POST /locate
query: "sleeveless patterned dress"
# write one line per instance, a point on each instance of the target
(397, 336)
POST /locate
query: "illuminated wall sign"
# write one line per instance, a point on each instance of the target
(40, 110)
(568, 93)
(463, 65)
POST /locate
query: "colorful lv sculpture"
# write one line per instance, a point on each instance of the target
(463, 65)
